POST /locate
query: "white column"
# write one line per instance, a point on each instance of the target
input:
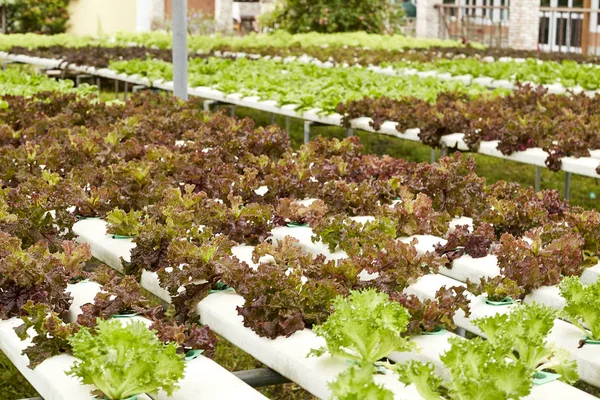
(428, 19)
(524, 24)
(143, 17)
(223, 14)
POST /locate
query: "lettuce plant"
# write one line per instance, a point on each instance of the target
(364, 327)
(429, 315)
(357, 383)
(125, 360)
(583, 305)
(525, 330)
(478, 371)
(37, 274)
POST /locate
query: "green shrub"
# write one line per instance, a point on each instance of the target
(37, 16)
(329, 16)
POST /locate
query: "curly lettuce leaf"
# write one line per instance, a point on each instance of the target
(365, 327)
(125, 360)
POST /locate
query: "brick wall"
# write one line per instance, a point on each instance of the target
(206, 6)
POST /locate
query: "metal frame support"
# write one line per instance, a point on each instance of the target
(6, 63)
(78, 78)
(232, 111)
(99, 83)
(272, 119)
(125, 91)
(433, 156)
(287, 125)
(138, 88)
(461, 332)
(207, 104)
(180, 49)
(116, 89)
(261, 377)
(444, 150)
(349, 132)
(307, 125)
(538, 178)
(567, 185)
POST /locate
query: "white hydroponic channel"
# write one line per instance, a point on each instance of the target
(203, 380)
(288, 355)
(585, 166)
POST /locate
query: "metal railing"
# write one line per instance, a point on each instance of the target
(474, 23)
(569, 30)
(561, 29)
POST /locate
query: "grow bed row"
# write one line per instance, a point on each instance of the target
(288, 355)
(46, 362)
(192, 187)
(569, 146)
(504, 74)
(345, 47)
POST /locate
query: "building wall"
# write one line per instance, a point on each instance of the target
(206, 6)
(92, 17)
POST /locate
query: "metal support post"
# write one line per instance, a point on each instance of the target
(261, 377)
(232, 111)
(433, 156)
(538, 178)
(180, 55)
(116, 89)
(567, 185)
(138, 88)
(349, 132)
(207, 104)
(287, 125)
(307, 125)
(461, 332)
(272, 120)
(78, 78)
(444, 150)
(99, 84)
(125, 92)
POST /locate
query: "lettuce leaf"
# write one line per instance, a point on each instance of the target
(122, 361)
(356, 383)
(583, 305)
(365, 327)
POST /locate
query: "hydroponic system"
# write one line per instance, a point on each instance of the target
(137, 233)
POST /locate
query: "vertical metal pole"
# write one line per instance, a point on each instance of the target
(567, 185)
(232, 111)
(443, 150)
(99, 84)
(272, 122)
(307, 125)
(349, 132)
(432, 157)
(287, 125)
(125, 92)
(116, 89)
(538, 178)
(4, 19)
(207, 104)
(180, 56)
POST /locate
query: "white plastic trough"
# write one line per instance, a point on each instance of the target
(285, 355)
(225, 321)
(204, 379)
(585, 166)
